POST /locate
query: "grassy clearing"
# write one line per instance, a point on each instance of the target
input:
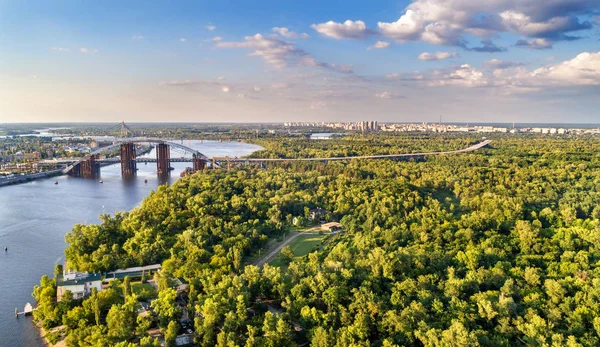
(145, 288)
(301, 246)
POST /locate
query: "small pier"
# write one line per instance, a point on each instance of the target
(27, 310)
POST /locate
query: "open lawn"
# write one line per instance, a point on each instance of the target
(138, 287)
(301, 246)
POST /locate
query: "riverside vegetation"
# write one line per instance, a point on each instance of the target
(498, 247)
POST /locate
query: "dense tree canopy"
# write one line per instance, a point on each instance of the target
(498, 247)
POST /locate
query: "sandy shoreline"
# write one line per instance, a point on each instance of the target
(43, 333)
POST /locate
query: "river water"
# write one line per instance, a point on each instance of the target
(35, 216)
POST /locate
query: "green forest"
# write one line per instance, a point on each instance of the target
(498, 247)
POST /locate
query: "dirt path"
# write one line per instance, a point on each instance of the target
(262, 261)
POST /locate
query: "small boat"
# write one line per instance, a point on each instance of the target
(145, 181)
(55, 182)
(101, 181)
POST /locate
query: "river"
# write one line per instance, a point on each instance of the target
(35, 216)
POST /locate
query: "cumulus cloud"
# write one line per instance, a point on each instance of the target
(451, 22)
(535, 44)
(210, 27)
(380, 45)
(183, 39)
(137, 37)
(60, 49)
(285, 32)
(280, 53)
(347, 30)
(507, 76)
(437, 55)
(555, 27)
(584, 69)
(217, 39)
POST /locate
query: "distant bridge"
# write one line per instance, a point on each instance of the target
(89, 166)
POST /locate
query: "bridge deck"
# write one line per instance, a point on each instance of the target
(251, 160)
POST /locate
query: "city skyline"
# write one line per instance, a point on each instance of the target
(407, 61)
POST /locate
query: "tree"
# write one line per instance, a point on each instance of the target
(126, 286)
(58, 270)
(165, 306)
(286, 254)
(171, 333)
(121, 320)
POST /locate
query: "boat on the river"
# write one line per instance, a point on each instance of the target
(101, 181)
(55, 182)
(145, 181)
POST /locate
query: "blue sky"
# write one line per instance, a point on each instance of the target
(300, 60)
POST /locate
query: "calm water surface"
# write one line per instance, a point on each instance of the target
(35, 216)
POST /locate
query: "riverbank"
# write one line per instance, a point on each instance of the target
(36, 215)
(44, 335)
(29, 177)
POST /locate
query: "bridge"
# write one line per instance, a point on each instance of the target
(89, 166)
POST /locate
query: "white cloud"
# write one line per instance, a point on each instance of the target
(217, 39)
(347, 30)
(285, 32)
(280, 53)
(60, 49)
(584, 69)
(380, 45)
(451, 22)
(183, 39)
(408, 27)
(437, 55)
(88, 50)
(137, 37)
(210, 27)
(257, 89)
(225, 89)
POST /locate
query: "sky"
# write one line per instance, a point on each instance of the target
(278, 61)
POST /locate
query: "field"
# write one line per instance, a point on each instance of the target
(301, 246)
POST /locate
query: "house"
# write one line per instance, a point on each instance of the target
(181, 284)
(132, 272)
(33, 156)
(333, 226)
(80, 284)
(316, 213)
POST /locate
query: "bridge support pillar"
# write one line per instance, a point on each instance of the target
(163, 157)
(199, 164)
(75, 171)
(128, 164)
(89, 168)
